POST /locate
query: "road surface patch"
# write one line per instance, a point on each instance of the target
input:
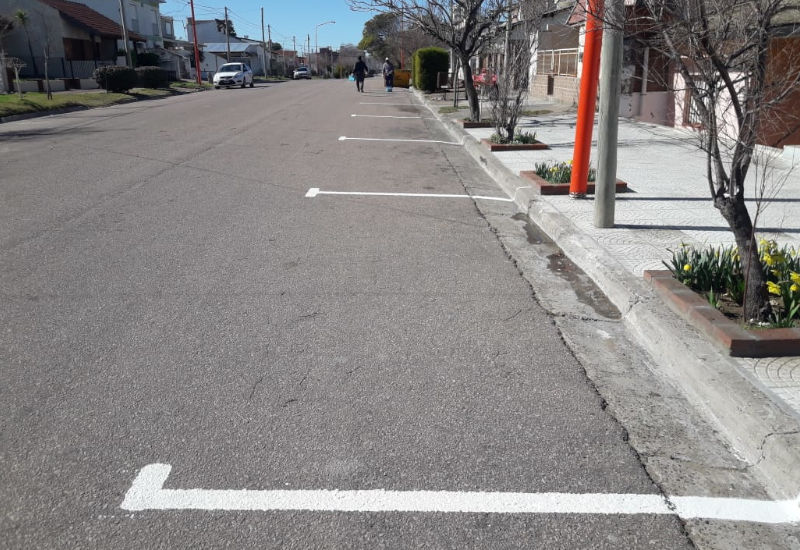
(147, 493)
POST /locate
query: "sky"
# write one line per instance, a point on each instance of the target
(293, 18)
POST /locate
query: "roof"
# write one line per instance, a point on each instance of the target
(86, 17)
(222, 47)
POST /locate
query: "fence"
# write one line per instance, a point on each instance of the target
(59, 67)
(558, 62)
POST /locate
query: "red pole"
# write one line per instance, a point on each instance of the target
(196, 53)
(587, 99)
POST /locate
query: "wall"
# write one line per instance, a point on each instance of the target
(43, 20)
(781, 125)
(141, 16)
(565, 89)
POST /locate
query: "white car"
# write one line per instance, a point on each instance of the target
(233, 74)
(301, 72)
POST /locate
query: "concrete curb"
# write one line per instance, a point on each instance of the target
(759, 428)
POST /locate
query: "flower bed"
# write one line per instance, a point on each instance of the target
(522, 142)
(554, 178)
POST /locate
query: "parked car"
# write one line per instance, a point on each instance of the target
(233, 74)
(301, 72)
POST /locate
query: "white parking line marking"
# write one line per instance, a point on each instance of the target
(147, 493)
(314, 191)
(345, 138)
(384, 103)
(390, 116)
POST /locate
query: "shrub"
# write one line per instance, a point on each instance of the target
(115, 78)
(152, 77)
(523, 138)
(147, 60)
(427, 63)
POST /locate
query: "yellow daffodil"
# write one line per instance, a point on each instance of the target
(768, 259)
(776, 273)
(795, 277)
(687, 267)
(773, 288)
(794, 288)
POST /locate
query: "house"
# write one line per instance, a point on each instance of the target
(213, 40)
(142, 17)
(80, 39)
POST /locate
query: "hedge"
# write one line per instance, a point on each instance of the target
(427, 63)
(115, 78)
(152, 77)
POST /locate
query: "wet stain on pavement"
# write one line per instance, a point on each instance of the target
(585, 289)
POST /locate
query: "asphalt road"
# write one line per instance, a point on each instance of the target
(170, 295)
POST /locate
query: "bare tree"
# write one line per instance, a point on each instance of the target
(508, 95)
(721, 51)
(17, 64)
(465, 26)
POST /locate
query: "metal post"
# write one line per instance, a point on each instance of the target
(227, 38)
(198, 75)
(607, 131)
(586, 100)
(125, 33)
(263, 42)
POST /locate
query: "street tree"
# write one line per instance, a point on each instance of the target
(23, 19)
(465, 26)
(16, 64)
(508, 94)
(6, 26)
(722, 52)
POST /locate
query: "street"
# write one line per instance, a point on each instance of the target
(174, 293)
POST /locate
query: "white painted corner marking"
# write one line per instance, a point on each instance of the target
(147, 493)
(313, 192)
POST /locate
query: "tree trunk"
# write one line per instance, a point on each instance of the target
(756, 298)
(33, 58)
(469, 87)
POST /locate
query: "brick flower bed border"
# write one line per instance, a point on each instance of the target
(494, 147)
(738, 341)
(481, 124)
(547, 188)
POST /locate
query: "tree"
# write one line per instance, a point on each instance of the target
(276, 47)
(377, 35)
(464, 26)
(721, 50)
(6, 26)
(221, 26)
(16, 64)
(21, 17)
(511, 89)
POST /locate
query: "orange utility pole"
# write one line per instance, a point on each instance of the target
(587, 99)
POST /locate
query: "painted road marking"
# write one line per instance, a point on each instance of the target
(147, 493)
(345, 138)
(390, 116)
(384, 103)
(314, 191)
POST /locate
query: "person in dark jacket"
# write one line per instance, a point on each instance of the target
(388, 74)
(359, 72)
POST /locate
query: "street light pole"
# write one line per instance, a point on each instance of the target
(316, 42)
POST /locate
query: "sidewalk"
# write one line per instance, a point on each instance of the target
(756, 402)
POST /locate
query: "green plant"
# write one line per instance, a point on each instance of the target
(115, 78)
(558, 172)
(713, 299)
(427, 63)
(523, 138)
(152, 77)
(718, 271)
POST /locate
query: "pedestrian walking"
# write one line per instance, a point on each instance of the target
(388, 74)
(359, 72)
